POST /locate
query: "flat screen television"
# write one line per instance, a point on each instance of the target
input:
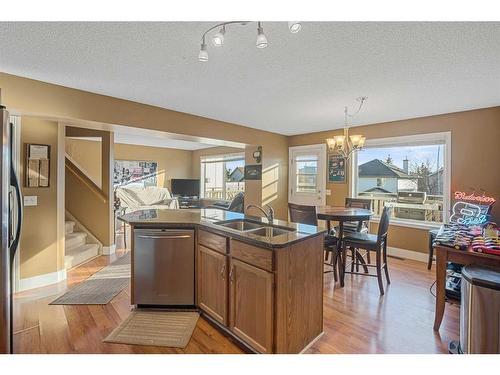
(186, 187)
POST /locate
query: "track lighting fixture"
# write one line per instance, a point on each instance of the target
(294, 26)
(218, 37)
(261, 37)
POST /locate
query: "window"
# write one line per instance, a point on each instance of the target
(409, 174)
(306, 173)
(222, 176)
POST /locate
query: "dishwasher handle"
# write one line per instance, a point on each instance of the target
(166, 236)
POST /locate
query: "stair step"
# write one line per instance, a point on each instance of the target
(80, 254)
(75, 239)
(69, 226)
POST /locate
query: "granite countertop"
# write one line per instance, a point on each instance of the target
(207, 219)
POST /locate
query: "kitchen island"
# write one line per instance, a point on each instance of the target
(259, 282)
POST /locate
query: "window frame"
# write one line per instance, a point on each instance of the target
(412, 140)
(224, 158)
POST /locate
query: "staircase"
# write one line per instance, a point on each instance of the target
(78, 250)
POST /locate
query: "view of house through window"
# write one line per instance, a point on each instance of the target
(222, 176)
(408, 178)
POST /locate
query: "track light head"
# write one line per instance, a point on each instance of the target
(203, 55)
(218, 38)
(294, 26)
(261, 37)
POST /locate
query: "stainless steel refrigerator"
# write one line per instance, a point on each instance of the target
(11, 211)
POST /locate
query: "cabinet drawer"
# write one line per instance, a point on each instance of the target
(253, 255)
(212, 241)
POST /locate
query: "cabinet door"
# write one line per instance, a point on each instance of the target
(212, 283)
(251, 305)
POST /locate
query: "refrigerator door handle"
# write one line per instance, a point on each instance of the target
(17, 189)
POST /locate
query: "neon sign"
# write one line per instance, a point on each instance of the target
(471, 209)
(460, 195)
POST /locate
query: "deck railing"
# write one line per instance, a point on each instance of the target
(379, 200)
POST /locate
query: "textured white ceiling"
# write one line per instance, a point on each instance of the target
(299, 84)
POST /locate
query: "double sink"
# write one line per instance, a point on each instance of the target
(254, 227)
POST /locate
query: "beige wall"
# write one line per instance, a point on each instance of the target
(88, 155)
(172, 163)
(475, 148)
(39, 253)
(28, 96)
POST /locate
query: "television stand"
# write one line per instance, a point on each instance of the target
(188, 202)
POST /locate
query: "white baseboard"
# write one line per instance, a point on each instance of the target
(109, 250)
(42, 280)
(407, 254)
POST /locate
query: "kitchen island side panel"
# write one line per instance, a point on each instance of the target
(299, 295)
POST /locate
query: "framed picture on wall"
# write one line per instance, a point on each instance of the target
(337, 169)
(37, 164)
(135, 172)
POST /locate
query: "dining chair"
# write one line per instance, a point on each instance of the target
(307, 215)
(370, 242)
(355, 226)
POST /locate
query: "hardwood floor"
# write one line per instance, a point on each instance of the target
(356, 319)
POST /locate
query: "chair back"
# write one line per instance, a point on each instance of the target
(303, 214)
(383, 225)
(358, 203)
(238, 203)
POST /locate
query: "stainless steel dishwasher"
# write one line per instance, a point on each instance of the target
(163, 267)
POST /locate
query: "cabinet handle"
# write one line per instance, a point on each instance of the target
(222, 271)
(231, 274)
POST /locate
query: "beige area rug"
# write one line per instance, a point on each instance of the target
(101, 287)
(156, 328)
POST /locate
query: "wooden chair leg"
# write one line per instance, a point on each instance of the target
(431, 256)
(353, 258)
(342, 262)
(379, 271)
(334, 256)
(385, 263)
(368, 260)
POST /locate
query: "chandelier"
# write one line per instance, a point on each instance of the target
(218, 37)
(346, 144)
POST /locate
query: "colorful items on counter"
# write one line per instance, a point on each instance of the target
(461, 237)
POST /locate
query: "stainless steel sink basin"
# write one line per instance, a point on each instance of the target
(254, 227)
(270, 231)
(241, 225)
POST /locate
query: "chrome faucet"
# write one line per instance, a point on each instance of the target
(269, 215)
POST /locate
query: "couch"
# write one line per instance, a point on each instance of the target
(151, 197)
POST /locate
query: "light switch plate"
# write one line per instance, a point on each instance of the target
(328, 192)
(30, 200)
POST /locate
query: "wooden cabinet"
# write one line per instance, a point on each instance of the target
(212, 283)
(251, 305)
(269, 299)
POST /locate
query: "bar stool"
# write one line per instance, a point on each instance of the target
(370, 242)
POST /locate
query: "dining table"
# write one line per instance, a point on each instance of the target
(343, 215)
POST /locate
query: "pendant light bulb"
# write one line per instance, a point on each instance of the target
(218, 38)
(261, 37)
(294, 26)
(203, 55)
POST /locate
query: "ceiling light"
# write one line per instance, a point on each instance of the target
(261, 37)
(294, 26)
(203, 55)
(218, 38)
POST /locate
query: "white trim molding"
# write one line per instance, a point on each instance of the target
(42, 280)
(109, 250)
(407, 254)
